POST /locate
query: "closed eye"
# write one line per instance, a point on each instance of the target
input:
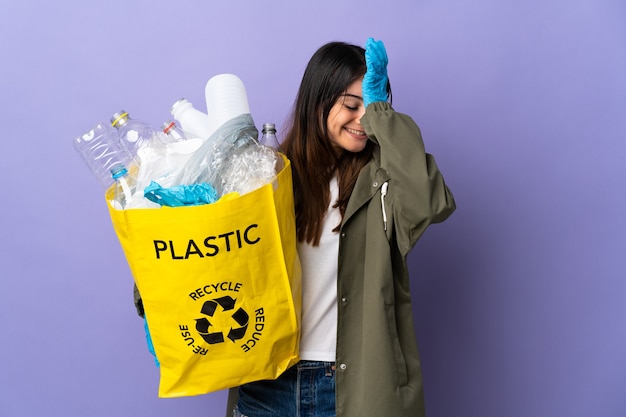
(354, 100)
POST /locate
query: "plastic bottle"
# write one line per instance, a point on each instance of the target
(192, 121)
(179, 149)
(173, 132)
(125, 186)
(134, 134)
(101, 149)
(268, 136)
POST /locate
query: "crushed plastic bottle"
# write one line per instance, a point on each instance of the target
(249, 167)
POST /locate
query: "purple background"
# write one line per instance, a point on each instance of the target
(519, 297)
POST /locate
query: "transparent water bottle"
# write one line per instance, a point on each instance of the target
(134, 134)
(191, 120)
(101, 149)
(268, 136)
(125, 186)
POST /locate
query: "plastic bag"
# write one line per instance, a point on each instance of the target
(206, 164)
(232, 264)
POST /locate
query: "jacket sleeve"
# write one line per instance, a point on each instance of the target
(138, 301)
(233, 397)
(417, 192)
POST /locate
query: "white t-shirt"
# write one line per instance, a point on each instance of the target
(319, 288)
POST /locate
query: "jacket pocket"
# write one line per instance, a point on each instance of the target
(399, 361)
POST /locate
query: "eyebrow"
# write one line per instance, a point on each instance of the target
(352, 95)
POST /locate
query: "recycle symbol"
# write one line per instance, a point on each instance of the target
(239, 319)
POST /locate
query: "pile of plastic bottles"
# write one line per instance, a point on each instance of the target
(194, 159)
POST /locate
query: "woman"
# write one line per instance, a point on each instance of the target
(365, 191)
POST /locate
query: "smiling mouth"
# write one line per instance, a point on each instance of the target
(355, 132)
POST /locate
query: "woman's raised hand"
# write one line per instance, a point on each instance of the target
(375, 79)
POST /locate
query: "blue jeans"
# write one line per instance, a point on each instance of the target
(307, 389)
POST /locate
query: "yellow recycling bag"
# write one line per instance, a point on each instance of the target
(220, 285)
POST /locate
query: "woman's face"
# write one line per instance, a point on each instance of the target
(344, 121)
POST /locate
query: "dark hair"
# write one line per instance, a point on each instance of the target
(329, 73)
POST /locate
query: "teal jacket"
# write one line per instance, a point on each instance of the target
(396, 197)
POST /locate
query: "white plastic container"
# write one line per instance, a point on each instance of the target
(226, 98)
(192, 121)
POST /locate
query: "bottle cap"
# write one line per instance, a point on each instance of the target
(269, 127)
(167, 126)
(118, 170)
(179, 103)
(119, 117)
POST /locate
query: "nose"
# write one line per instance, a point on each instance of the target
(360, 113)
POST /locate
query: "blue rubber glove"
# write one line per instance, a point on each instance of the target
(375, 79)
(149, 342)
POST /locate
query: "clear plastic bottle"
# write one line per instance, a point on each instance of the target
(191, 120)
(268, 136)
(101, 149)
(134, 134)
(125, 186)
(173, 132)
